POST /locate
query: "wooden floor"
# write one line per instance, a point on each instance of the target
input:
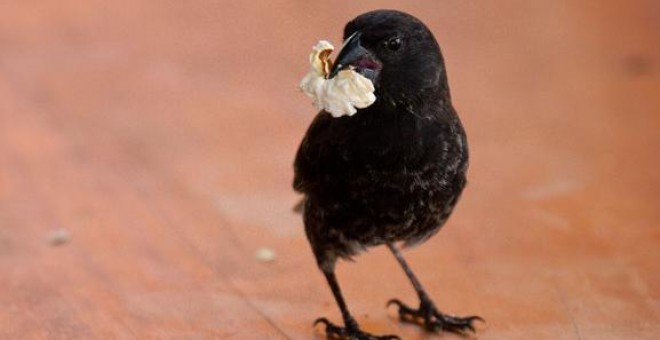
(145, 161)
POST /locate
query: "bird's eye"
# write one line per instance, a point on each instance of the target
(393, 44)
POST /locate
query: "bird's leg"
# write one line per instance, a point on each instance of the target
(427, 314)
(351, 329)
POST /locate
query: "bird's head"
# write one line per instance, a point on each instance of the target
(395, 50)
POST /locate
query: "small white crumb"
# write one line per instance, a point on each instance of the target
(341, 95)
(58, 237)
(265, 255)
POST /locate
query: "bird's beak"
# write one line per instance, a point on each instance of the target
(350, 53)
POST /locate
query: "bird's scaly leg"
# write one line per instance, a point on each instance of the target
(427, 314)
(351, 330)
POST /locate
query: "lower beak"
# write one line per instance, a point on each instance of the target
(350, 52)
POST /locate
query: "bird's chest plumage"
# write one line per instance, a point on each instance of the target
(388, 180)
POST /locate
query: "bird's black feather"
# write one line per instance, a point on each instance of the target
(393, 171)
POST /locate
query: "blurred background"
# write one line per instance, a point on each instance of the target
(146, 156)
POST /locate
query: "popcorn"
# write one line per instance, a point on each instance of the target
(341, 95)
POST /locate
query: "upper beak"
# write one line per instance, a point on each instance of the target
(350, 52)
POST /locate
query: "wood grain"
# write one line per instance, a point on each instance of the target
(160, 136)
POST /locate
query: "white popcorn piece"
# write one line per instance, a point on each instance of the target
(341, 95)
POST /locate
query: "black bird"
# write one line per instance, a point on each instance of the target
(393, 172)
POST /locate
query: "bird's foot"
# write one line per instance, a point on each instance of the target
(350, 332)
(429, 317)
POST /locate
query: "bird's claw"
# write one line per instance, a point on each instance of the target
(429, 317)
(333, 331)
